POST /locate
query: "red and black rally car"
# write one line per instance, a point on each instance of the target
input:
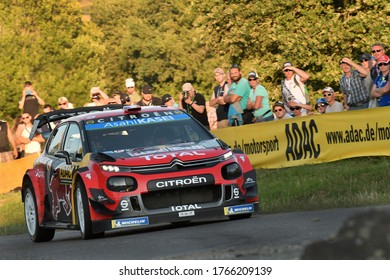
(105, 168)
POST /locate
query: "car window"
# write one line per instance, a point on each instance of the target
(56, 139)
(73, 143)
(131, 132)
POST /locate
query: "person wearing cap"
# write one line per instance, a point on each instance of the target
(321, 105)
(352, 85)
(330, 98)
(194, 103)
(98, 97)
(131, 91)
(381, 81)
(216, 100)
(366, 63)
(147, 97)
(258, 100)
(168, 100)
(293, 88)
(64, 104)
(237, 96)
(280, 111)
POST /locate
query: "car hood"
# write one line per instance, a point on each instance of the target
(165, 154)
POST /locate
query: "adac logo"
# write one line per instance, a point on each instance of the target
(89, 122)
(300, 141)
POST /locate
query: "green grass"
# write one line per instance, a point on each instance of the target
(346, 183)
(11, 214)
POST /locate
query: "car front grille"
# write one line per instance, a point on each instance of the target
(174, 166)
(181, 196)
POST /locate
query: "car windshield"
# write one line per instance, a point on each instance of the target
(145, 130)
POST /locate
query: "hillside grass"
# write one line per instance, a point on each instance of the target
(346, 183)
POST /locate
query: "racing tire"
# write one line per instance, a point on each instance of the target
(240, 216)
(36, 232)
(82, 213)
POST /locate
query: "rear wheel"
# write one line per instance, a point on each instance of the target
(36, 233)
(83, 214)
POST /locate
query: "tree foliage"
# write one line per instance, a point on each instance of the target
(167, 43)
(47, 43)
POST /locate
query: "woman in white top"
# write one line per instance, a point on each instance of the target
(23, 131)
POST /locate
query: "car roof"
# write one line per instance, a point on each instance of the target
(125, 110)
(84, 113)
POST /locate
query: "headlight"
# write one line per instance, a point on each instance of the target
(110, 168)
(121, 184)
(226, 156)
(231, 171)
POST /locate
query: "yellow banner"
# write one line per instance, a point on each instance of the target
(312, 139)
(11, 173)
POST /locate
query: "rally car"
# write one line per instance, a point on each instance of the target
(106, 168)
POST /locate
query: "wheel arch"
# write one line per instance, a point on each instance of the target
(39, 194)
(76, 178)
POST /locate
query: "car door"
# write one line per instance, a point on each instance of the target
(57, 181)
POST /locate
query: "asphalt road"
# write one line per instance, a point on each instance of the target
(262, 237)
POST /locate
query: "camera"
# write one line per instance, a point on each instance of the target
(28, 92)
(95, 96)
(186, 93)
(125, 99)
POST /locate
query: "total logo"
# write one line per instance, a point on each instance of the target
(185, 207)
(173, 155)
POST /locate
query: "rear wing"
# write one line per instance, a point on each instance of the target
(58, 115)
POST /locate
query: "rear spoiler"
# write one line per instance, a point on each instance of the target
(58, 115)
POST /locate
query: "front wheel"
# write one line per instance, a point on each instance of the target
(83, 214)
(36, 233)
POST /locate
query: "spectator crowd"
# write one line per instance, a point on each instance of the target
(235, 100)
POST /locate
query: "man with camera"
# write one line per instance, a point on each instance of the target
(30, 102)
(194, 103)
(98, 97)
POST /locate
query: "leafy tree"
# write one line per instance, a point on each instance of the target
(153, 42)
(167, 43)
(314, 35)
(47, 43)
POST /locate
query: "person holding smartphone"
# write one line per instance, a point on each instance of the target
(30, 101)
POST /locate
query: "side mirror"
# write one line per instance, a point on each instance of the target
(65, 155)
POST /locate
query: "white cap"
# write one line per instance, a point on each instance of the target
(187, 87)
(130, 83)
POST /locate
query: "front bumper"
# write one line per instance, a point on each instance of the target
(189, 214)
